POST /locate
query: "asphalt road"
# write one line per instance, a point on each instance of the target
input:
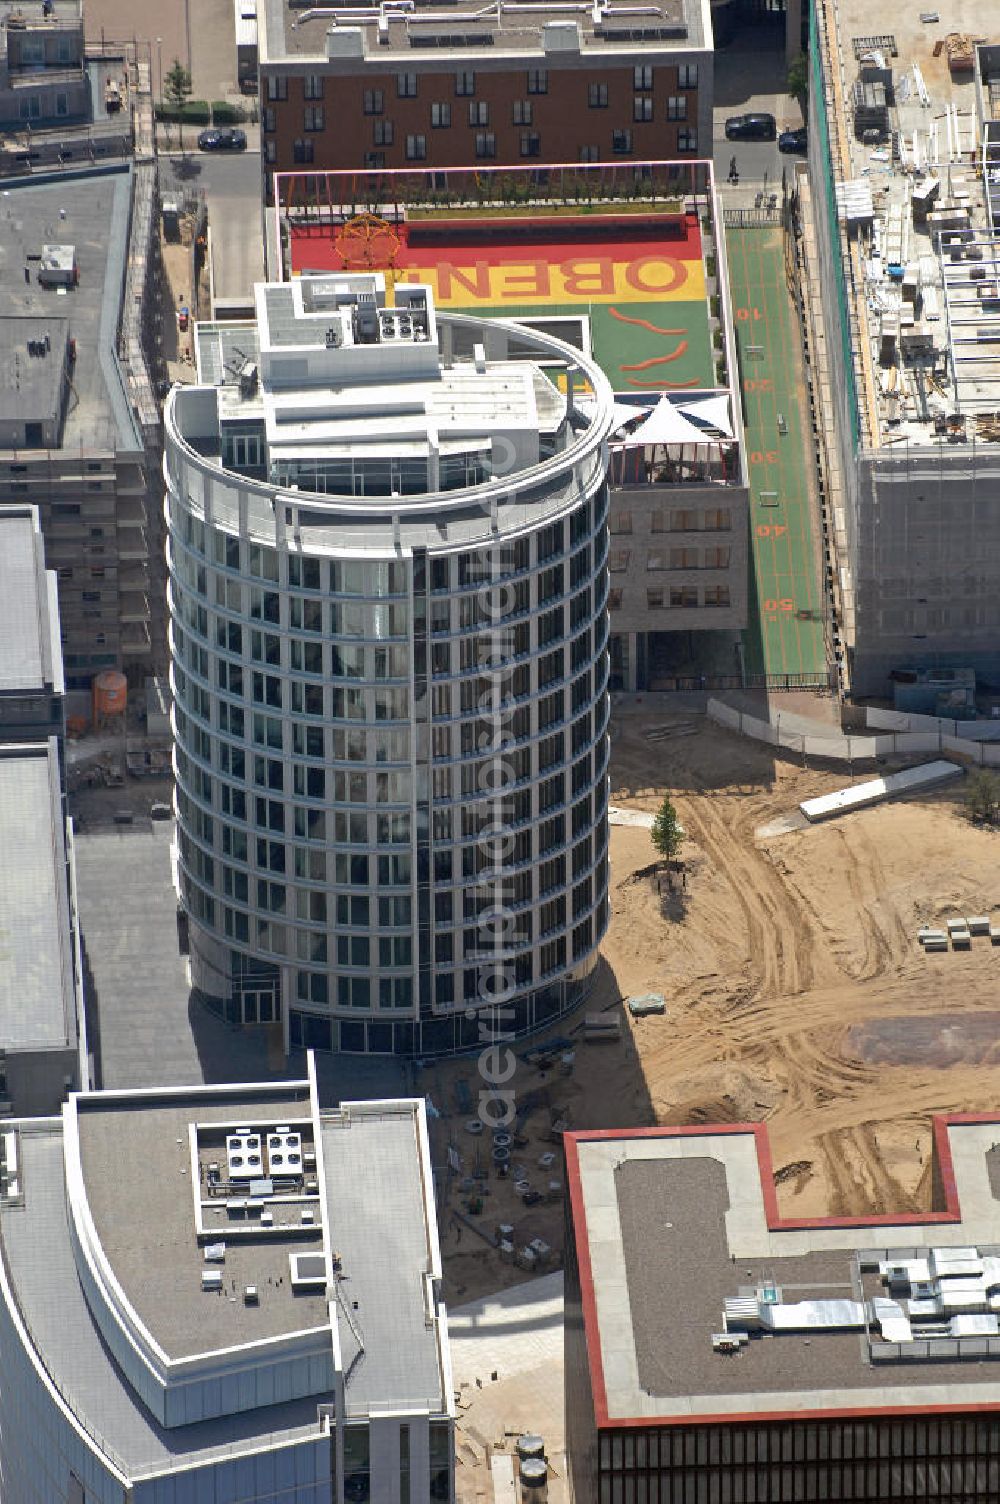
(230, 182)
(752, 81)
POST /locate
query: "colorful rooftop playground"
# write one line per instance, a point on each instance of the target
(610, 259)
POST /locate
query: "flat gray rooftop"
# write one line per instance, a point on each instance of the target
(92, 214)
(31, 385)
(37, 1007)
(378, 1226)
(51, 1298)
(676, 1224)
(670, 24)
(24, 603)
(142, 1205)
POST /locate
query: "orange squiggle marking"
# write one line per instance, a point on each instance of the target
(694, 381)
(657, 360)
(624, 318)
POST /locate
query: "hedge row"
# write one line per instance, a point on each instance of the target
(224, 113)
(195, 112)
(200, 112)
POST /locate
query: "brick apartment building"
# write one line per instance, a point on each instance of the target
(555, 83)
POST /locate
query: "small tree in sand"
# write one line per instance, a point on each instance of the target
(666, 832)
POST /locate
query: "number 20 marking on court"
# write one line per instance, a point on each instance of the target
(772, 530)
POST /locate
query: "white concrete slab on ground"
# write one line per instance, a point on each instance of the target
(636, 817)
(860, 795)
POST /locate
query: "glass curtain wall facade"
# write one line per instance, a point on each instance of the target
(347, 860)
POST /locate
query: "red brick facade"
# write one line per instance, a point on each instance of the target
(505, 116)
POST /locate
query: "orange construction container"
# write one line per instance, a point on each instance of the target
(110, 693)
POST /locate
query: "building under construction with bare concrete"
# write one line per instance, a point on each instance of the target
(904, 324)
(79, 423)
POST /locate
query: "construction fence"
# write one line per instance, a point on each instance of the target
(932, 735)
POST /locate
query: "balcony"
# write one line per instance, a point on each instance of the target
(135, 640)
(133, 543)
(133, 606)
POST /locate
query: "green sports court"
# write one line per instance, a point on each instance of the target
(785, 633)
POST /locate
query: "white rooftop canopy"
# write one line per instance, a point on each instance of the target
(666, 424)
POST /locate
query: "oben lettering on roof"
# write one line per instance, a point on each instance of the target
(578, 279)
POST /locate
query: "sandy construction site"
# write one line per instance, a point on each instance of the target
(796, 990)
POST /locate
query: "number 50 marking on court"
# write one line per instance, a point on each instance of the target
(770, 607)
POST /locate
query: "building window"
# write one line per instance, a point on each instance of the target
(416, 148)
(486, 144)
(642, 78)
(687, 138)
(267, 119)
(406, 85)
(677, 107)
(31, 108)
(684, 595)
(523, 111)
(683, 520)
(302, 153)
(374, 102)
(655, 560)
(597, 96)
(382, 132)
(716, 595)
(479, 112)
(538, 80)
(655, 600)
(313, 118)
(440, 116)
(270, 151)
(684, 558)
(277, 87)
(530, 144)
(374, 161)
(687, 76)
(465, 84)
(615, 600)
(621, 143)
(312, 86)
(717, 519)
(62, 104)
(642, 108)
(717, 557)
(620, 522)
(618, 560)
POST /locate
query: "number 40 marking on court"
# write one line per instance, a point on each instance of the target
(771, 530)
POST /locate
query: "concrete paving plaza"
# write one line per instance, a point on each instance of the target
(200, 33)
(146, 1028)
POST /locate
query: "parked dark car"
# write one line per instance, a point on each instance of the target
(216, 140)
(751, 128)
(793, 140)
